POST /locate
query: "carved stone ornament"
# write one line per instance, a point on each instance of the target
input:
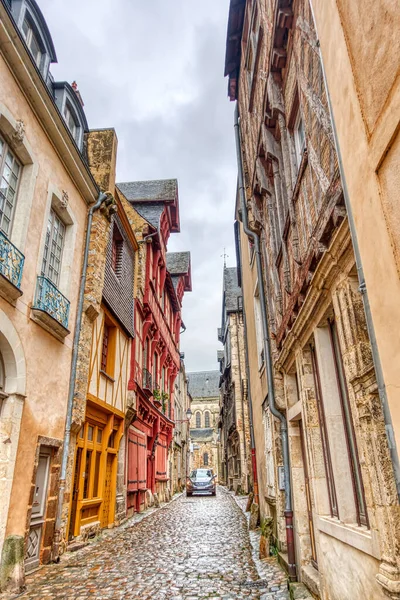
(64, 199)
(19, 133)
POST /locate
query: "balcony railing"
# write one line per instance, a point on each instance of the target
(11, 261)
(50, 300)
(147, 380)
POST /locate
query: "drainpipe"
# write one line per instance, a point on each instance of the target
(391, 440)
(268, 357)
(107, 198)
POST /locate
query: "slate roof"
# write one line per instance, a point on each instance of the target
(150, 191)
(232, 291)
(151, 212)
(204, 384)
(178, 263)
(202, 435)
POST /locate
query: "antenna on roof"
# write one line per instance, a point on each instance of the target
(224, 256)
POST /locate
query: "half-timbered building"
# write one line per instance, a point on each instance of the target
(162, 280)
(98, 492)
(312, 335)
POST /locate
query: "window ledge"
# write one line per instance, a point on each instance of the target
(363, 539)
(107, 376)
(8, 290)
(51, 325)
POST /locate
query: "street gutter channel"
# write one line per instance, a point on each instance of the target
(262, 564)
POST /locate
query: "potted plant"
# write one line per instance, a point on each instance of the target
(157, 397)
(165, 398)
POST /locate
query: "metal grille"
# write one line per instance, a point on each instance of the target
(11, 261)
(50, 300)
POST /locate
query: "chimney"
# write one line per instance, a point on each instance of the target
(74, 86)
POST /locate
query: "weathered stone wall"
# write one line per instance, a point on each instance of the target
(296, 205)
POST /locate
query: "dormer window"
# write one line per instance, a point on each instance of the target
(70, 107)
(32, 41)
(70, 120)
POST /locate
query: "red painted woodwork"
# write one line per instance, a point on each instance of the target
(157, 326)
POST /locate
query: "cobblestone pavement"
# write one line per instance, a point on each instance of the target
(192, 549)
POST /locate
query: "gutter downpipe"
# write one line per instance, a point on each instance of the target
(268, 358)
(391, 440)
(74, 361)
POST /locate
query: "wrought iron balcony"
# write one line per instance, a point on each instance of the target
(147, 381)
(11, 267)
(51, 308)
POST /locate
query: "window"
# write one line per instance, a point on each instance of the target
(198, 420)
(253, 52)
(324, 438)
(104, 350)
(358, 486)
(299, 137)
(116, 255)
(205, 459)
(71, 121)
(207, 419)
(145, 353)
(259, 330)
(155, 360)
(10, 172)
(108, 347)
(32, 41)
(53, 248)
(163, 379)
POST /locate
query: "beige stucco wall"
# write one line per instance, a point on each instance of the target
(258, 382)
(360, 48)
(47, 359)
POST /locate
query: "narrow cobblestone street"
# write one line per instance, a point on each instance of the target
(193, 548)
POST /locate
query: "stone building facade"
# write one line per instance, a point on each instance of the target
(180, 449)
(236, 467)
(204, 437)
(46, 190)
(324, 384)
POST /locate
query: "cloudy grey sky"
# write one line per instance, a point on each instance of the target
(153, 70)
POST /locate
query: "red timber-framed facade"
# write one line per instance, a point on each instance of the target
(162, 280)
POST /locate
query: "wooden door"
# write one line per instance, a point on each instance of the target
(133, 466)
(38, 514)
(75, 492)
(107, 490)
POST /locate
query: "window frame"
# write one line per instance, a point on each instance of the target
(52, 218)
(258, 328)
(300, 144)
(109, 370)
(3, 157)
(329, 474)
(351, 441)
(207, 417)
(76, 134)
(33, 33)
(198, 419)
